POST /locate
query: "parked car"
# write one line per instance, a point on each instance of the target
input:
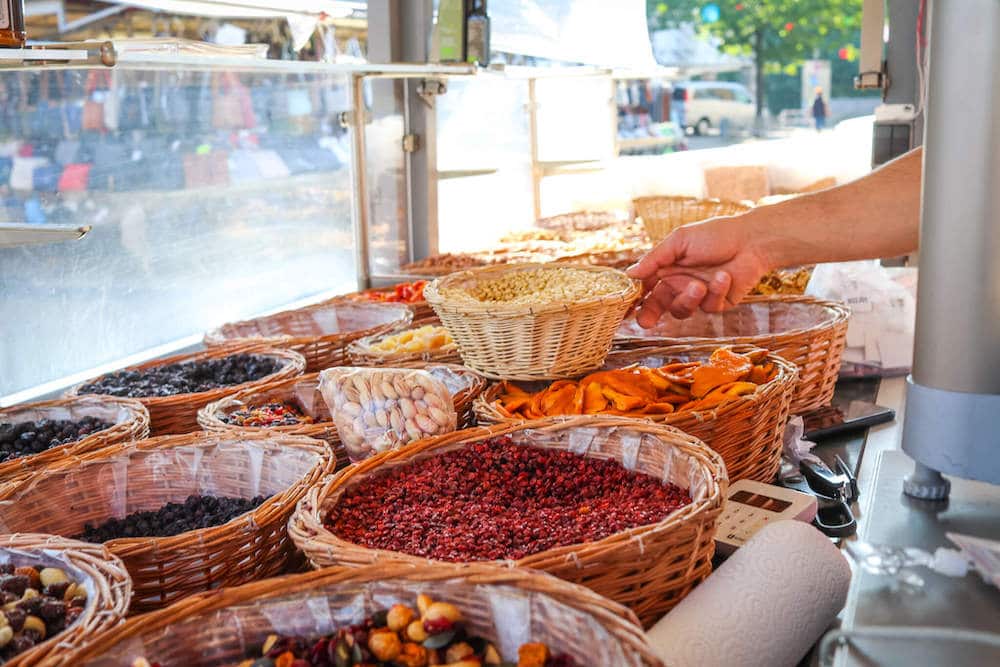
(709, 104)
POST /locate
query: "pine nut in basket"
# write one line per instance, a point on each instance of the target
(533, 321)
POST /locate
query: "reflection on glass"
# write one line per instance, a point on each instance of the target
(213, 196)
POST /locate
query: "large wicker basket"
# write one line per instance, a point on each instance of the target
(538, 342)
(649, 569)
(809, 332)
(319, 333)
(218, 629)
(88, 564)
(662, 214)
(746, 431)
(582, 221)
(177, 414)
(361, 353)
(304, 393)
(129, 416)
(145, 475)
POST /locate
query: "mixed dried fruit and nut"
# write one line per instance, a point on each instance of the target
(38, 603)
(642, 391)
(34, 437)
(784, 281)
(422, 339)
(172, 519)
(497, 500)
(431, 634)
(267, 415)
(539, 286)
(185, 377)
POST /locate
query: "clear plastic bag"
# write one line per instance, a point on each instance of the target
(376, 409)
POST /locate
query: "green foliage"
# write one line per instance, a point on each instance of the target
(787, 31)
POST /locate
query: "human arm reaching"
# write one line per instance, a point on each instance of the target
(714, 264)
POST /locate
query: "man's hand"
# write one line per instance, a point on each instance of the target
(711, 265)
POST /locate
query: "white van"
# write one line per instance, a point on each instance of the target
(708, 103)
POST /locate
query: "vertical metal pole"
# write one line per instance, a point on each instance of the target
(953, 397)
(361, 203)
(536, 167)
(901, 60)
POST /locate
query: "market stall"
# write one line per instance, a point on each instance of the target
(287, 432)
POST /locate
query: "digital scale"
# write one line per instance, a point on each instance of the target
(752, 505)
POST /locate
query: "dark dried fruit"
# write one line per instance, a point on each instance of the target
(34, 437)
(172, 519)
(439, 640)
(185, 377)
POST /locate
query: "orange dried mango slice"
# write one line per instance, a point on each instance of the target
(658, 409)
(593, 399)
(558, 399)
(723, 366)
(621, 401)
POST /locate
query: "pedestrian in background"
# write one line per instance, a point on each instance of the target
(819, 110)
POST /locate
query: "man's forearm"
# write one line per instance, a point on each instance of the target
(875, 216)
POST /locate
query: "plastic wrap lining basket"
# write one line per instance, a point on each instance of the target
(304, 392)
(145, 475)
(809, 332)
(648, 569)
(747, 430)
(176, 414)
(218, 629)
(108, 591)
(129, 417)
(530, 342)
(319, 333)
(662, 214)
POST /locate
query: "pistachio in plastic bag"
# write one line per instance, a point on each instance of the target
(376, 409)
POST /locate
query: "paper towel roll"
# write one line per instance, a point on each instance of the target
(764, 607)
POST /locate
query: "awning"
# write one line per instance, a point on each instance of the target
(249, 9)
(592, 32)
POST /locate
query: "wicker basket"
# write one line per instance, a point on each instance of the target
(91, 564)
(319, 333)
(649, 569)
(145, 475)
(746, 431)
(809, 332)
(582, 221)
(662, 214)
(522, 342)
(217, 629)
(129, 416)
(361, 353)
(177, 414)
(304, 392)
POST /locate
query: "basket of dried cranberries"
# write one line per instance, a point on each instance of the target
(296, 407)
(394, 615)
(622, 506)
(185, 513)
(58, 594)
(35, 434)
(175, 388)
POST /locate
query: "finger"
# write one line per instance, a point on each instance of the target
(654, 305)
(689, 300)
(718, 293)
(662, 255)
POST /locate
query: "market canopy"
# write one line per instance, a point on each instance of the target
(591, 32)
(249, 8)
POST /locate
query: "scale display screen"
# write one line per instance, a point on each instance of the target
(760, 501)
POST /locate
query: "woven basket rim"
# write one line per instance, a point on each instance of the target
(208, 416)
(113, 593)
(838, 314)
(137, 425)
(629, 291)
(132, 546)
(619, 621)
(404, 314)
(690, 198)
(785, 380)
(308, 521)
(294, 363)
